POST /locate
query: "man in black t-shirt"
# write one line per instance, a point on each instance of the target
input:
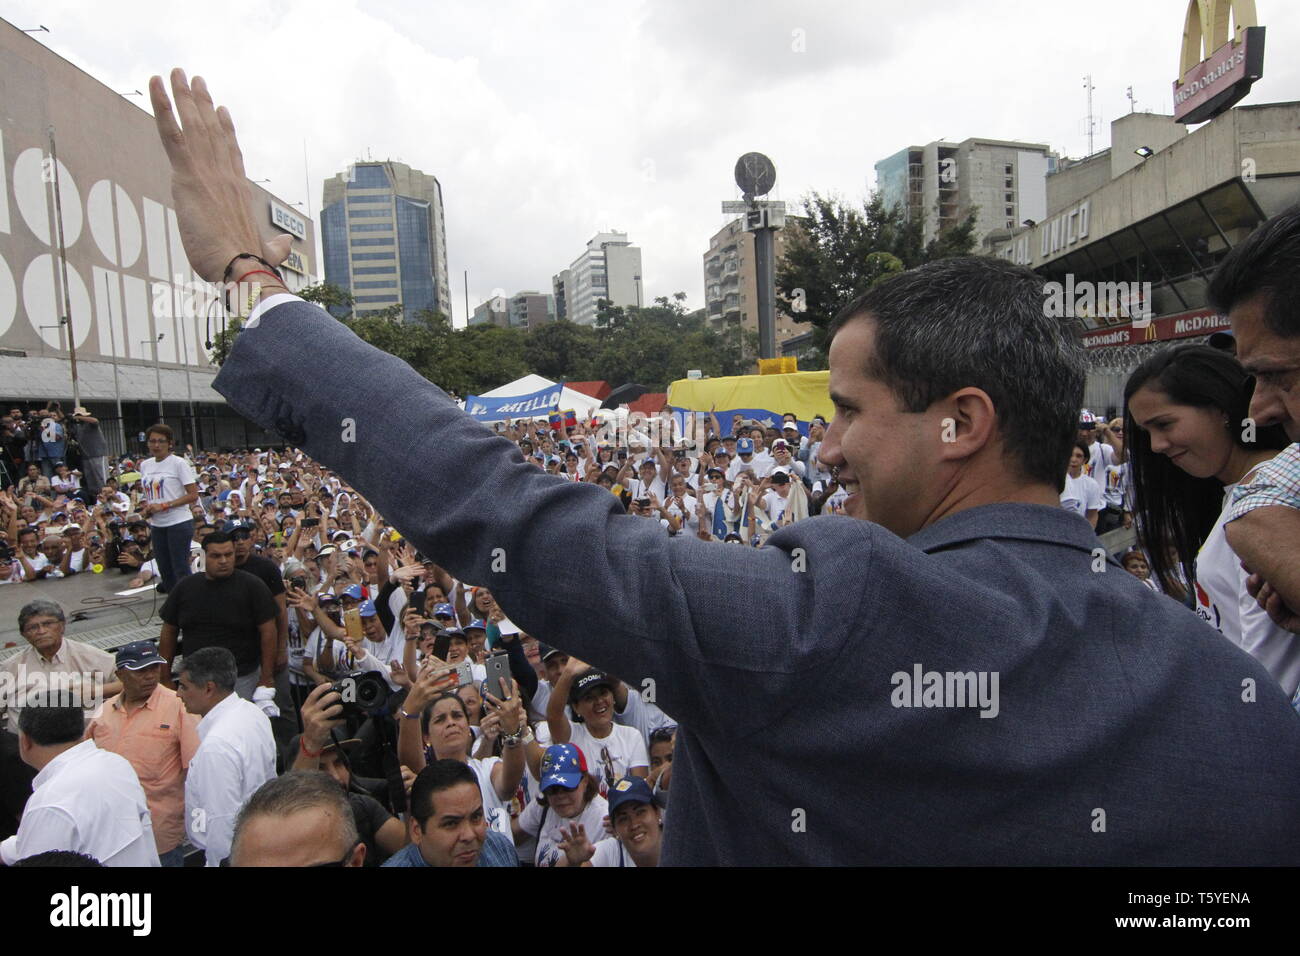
(265, 571)
(225, 607)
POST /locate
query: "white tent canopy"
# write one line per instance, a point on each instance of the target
(583, 405)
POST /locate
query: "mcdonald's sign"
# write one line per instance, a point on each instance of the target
(1217, 69)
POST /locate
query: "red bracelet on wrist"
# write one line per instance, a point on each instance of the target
(302, 745)
(260, 272)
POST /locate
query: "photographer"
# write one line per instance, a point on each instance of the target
(94, 449)
(318, 749)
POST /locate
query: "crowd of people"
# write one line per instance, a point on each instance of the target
(322, 693)
(298, 630)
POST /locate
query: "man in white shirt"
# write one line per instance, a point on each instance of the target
(84, 800)
(236, 752)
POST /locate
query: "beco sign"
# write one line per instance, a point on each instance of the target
(1217, 68)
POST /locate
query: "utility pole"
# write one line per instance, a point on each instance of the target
(63, 267)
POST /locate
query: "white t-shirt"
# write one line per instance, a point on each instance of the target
(609, 852)
(1114, 485)
(625, 748)
(39, 562)
(548, 852)
(165, 481)
(1100, 457)
(686, 513)
(1082, 495)
(644, 489)
(495, 809)
(1223, 601)
(774, 504)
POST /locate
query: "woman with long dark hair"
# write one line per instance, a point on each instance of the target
(1192, 442)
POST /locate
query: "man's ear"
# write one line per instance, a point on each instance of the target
(969, 423)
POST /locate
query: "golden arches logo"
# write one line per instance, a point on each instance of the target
(1206, 28)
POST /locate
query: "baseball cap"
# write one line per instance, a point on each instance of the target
(716, 471)
(744, 446)
(628, 790)
(790, 425)
(367, 608)
(563, 765)
(138, 655)
(1222, 339)
(1086, 419)
(545, 653)
(353, 591)
(587, 681)
(780, 443)
(478, 623)
(444, 610)
(326, 596)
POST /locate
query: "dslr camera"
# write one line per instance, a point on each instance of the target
(364, 693)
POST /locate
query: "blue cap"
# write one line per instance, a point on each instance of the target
(745, 446)
(444, 609)
(138, 655)
(479, 623)
(352, 591)
(368, 609)
(628, 790)
(563, 765)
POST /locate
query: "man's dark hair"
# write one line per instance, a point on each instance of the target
(974, 321)
(298, 790)
(1267, 261)
(215, 664)
(48, 721)
(59, 858)
(160, 429)
(24, 532)
(434, 778)
(217, 537)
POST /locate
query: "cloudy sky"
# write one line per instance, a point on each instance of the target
(548, 121)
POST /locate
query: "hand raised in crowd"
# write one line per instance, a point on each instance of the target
(509, 713)
(210, 189)
(433, 679)
(577, 848)
(400, 677)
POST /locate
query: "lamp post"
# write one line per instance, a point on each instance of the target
(157, 370)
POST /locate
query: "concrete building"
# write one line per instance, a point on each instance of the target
(609, 268)
(1151, 218)
(385, 238)
(531, 308)
(523, 310)
(1002, 180)
(560, 283)
(136, 314)
(730, 284)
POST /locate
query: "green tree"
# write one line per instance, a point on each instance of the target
(839, 251)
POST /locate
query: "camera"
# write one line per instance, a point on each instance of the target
(364, 694)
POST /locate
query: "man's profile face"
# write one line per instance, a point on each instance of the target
(312, 836)
(1275, 363)
(455, 831)
(139, 684)
(887, 458)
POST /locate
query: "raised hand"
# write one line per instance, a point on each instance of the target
(209, 187)
(575, 844)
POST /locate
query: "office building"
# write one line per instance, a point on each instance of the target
(730, 281)
(609, 268)
(385, 239)
(1004, 182)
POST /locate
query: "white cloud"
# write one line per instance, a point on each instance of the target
(546, 122)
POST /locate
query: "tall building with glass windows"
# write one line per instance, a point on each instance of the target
(385, 239)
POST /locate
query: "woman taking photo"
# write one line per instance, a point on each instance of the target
(435, 726)
(1191, 443)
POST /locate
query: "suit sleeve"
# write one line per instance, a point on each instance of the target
(721, 630)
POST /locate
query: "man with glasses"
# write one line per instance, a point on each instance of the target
(56, 661)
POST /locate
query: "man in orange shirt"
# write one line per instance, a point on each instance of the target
(148, 725)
